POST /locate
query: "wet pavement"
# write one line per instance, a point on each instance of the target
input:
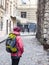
(34, 54)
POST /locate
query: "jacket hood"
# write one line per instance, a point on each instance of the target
(17, 29)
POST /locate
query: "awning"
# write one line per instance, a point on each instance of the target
(22, 20)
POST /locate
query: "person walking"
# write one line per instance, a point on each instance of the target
(16, 56)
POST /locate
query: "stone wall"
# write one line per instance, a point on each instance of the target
(43, 22)
(40, 20)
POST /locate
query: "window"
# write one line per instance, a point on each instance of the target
(4, 4)
(23, 14)
(7, 8)
(0, 2)
(1, 24)
(10, 9)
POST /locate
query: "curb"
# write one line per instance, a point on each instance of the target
(28, 35)
(2, 41)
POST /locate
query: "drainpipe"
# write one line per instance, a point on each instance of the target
(7, 27)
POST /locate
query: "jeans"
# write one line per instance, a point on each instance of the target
(15, 61)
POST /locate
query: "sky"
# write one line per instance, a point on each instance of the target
(31, 1)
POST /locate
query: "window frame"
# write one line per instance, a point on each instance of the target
(23, 14)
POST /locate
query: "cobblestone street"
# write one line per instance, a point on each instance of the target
(34, 53)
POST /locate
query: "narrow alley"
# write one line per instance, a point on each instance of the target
(34, 53)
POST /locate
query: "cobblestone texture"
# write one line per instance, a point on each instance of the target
(34, 53)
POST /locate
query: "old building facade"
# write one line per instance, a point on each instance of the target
(8, 15)
(11, 14)
(16, 11)
(26, 11)
(2, 11)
